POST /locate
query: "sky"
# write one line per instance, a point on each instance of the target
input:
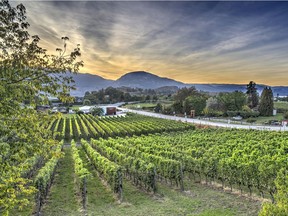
(191, 42)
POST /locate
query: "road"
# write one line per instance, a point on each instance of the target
(204, 122)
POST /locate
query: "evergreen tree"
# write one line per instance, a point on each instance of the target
(252, 95)
(266, 102)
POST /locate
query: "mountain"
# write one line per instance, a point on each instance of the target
(89, 82)
(141, 79)
(145, 80)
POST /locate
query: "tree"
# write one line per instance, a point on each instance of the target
(155, 98)
(232, 101)
(158, 108)
(26, 71)
(266, 104)
(213, 107)
(252, 95)
(86, 102)
(196, 103)
(147, 98)
(214, 104)
(177, 107)
(185, 92)
(97, 111)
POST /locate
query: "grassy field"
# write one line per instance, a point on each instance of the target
(61, 199)
(147, 105)
(263, 119)
(141, 106)
(196, 200)
(281, 105)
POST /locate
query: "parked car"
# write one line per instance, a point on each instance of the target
(237, 118)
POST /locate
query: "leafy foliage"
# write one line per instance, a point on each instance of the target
(27, 72)
(232, 101)
(88, 126)
(97, 111)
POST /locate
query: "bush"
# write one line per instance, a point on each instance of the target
(282, 110)
(285, 115)
(168, 110)
(212, 113)
(243, 114)
(97, 111)
(251, 120)
(79, 112)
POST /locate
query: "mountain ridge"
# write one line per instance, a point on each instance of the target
(146, 80)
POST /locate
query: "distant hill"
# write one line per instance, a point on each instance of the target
(89, 82)
(146, 80)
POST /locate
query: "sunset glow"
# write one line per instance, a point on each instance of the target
(192, 42)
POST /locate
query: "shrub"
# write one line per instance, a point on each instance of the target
(79, 112)
(251, 120)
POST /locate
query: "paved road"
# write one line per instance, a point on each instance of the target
(203, 122)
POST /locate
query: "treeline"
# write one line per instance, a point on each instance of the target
(246, 104)
(114, 95)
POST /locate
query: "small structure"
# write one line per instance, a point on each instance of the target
(78, 100)
(62, 110)
(284, 123)
(192, 114)
(54, 101)
(107, 110)
(85, 109)
(42, 108)
(59, 109)
(110, 110)
(237, 117)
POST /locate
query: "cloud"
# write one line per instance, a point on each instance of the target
(188, 41)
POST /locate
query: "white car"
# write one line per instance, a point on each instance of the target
(237, 118)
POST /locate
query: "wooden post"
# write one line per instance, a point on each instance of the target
(120, 183)
(84, 194)
(181, 178)
(38, 203)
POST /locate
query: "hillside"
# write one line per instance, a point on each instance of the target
(146, 80)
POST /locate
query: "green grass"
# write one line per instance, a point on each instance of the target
(76, 106)
(62, 200)
(141, 105)
(281, 105)
(263, 119)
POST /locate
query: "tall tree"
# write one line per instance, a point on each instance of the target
(253, 99)
(185, 92)
(196, 103)
(26, 71)
(266, 104)
(232, 101)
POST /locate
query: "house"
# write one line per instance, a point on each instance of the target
(107, 110)
(284, 123)
(59, 109)
(42, 108)
(85, 109)
(110, 110)
(54, 101)
(78, 100)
